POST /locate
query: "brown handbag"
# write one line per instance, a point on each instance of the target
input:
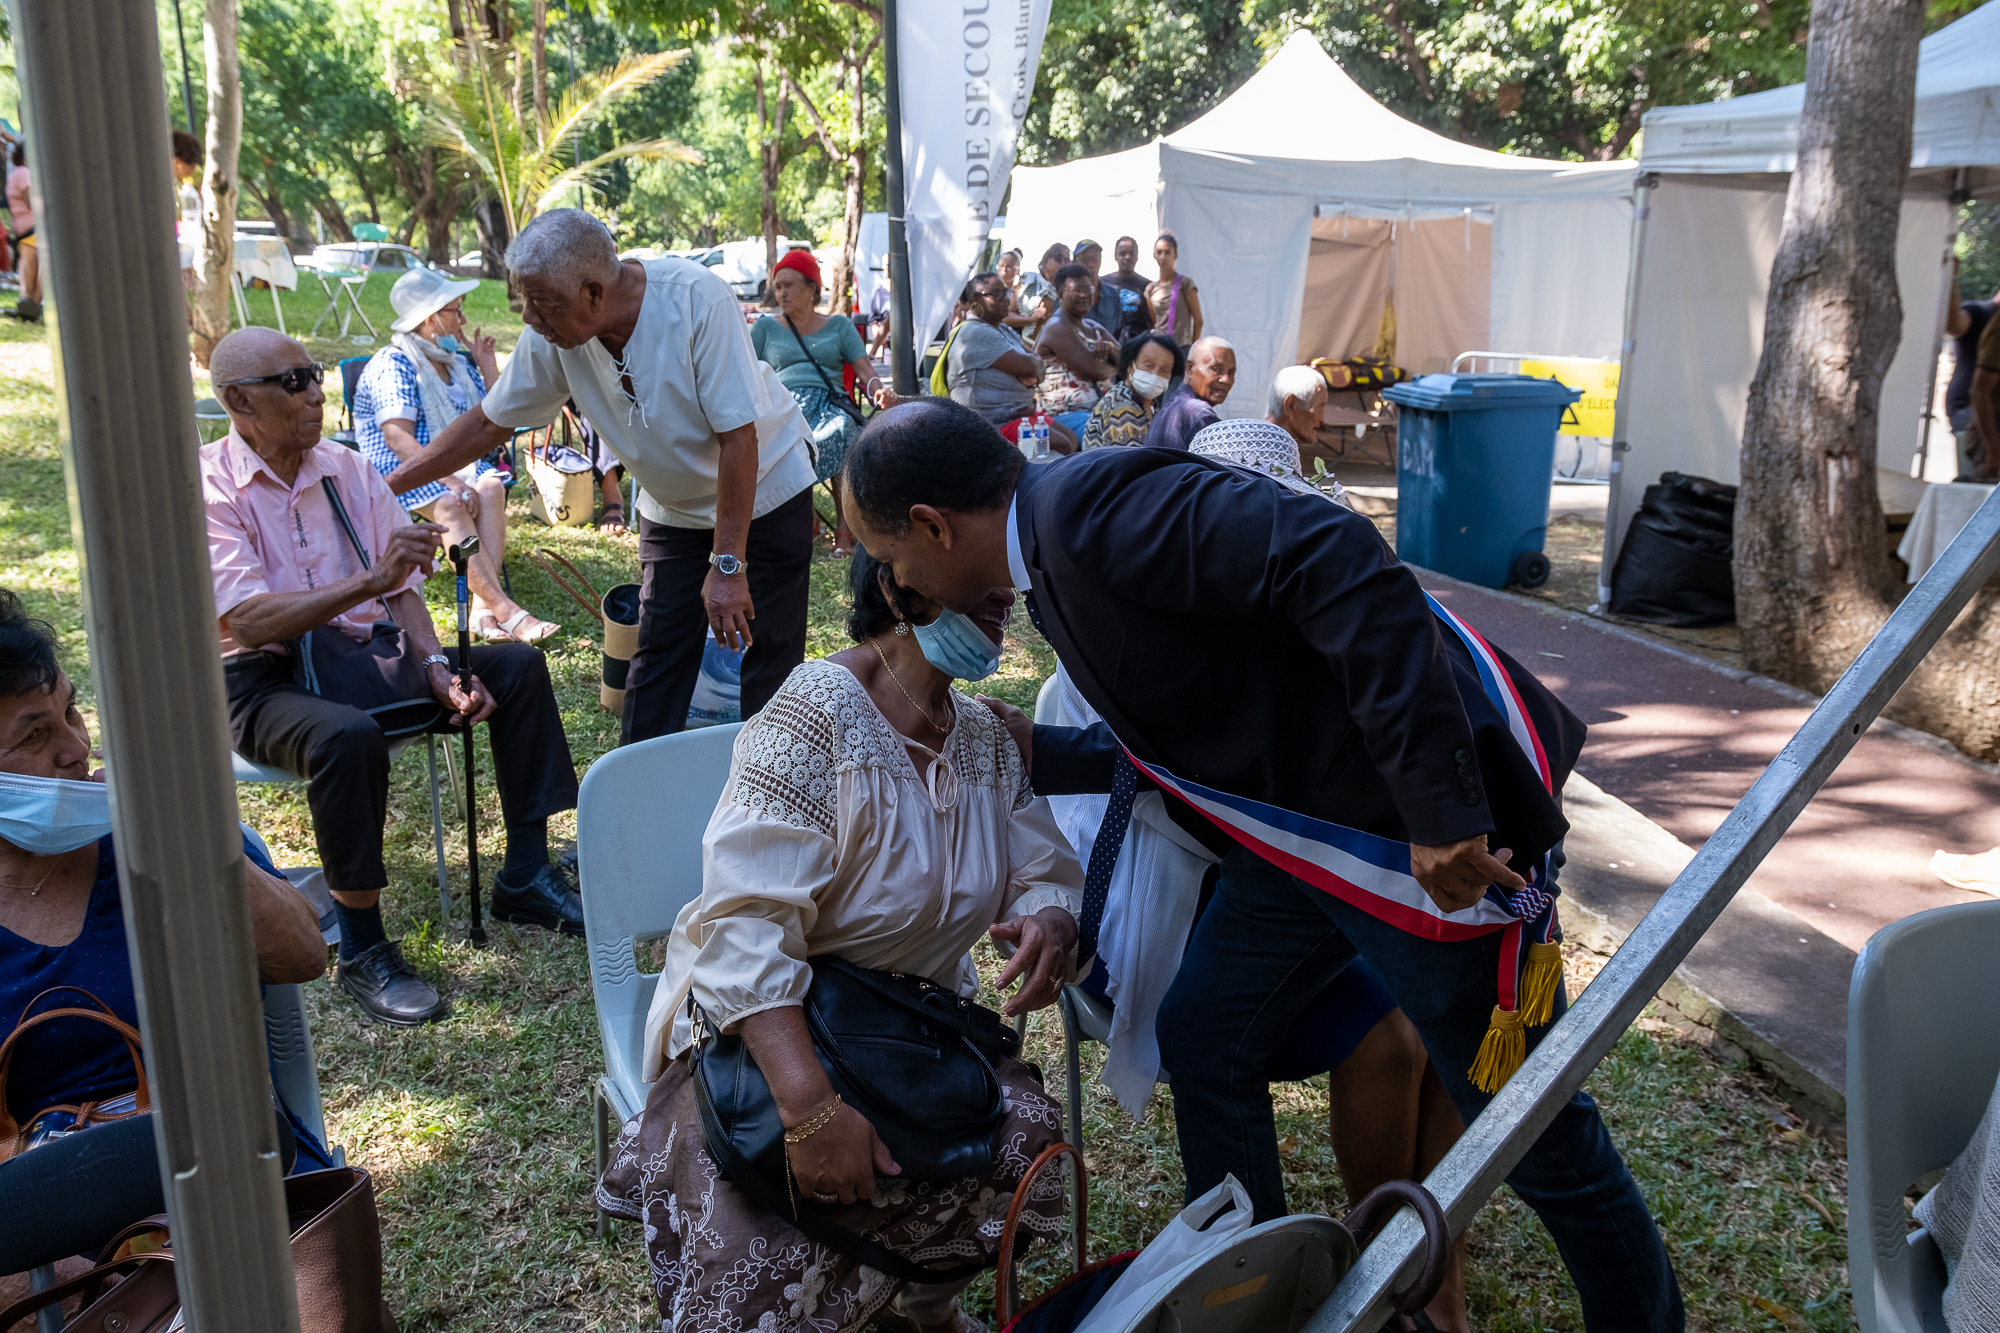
(14, 1137)
(336, 1263)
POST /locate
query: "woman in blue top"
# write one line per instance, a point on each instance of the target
(62, 925)
(409, 392)
(810, 351)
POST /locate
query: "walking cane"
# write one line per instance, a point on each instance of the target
(460, 554)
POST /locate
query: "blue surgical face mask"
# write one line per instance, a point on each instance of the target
(449, 343)
(49, 816)
(955, 645)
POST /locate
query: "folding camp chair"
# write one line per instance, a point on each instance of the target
(1923, 1050)
(249, 771)
(350, 379)
(640, 817)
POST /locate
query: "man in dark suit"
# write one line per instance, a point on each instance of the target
(1267, 645)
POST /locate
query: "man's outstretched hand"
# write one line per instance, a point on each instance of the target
(1456, 875)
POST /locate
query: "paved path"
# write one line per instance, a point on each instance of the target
(1673, 744)
(1681, 742)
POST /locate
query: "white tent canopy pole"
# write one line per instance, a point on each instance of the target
(95, 110)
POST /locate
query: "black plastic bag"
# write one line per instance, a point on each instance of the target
(1674, 568)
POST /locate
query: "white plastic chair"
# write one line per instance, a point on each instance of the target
(250, 771)
(1923, 1051)
(640, 817)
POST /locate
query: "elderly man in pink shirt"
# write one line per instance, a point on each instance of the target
(285, 566)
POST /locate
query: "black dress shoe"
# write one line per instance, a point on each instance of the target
(546, 900)
(387, 990)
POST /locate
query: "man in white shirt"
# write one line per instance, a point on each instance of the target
(656, 355)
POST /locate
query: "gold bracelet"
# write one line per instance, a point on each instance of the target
(819, 1121)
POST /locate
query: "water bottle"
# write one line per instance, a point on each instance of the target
(1024, 438)
(1041, 437)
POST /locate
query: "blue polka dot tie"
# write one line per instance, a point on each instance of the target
(1104, 855)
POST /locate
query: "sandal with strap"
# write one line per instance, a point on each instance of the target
(509, 629)
(612, 519)
(484, 626)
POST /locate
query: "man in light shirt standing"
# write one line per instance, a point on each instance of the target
(657, 356)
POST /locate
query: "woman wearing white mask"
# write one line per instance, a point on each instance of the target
(410, 391)
(62, 925)
(1148, 365)
(875, 814)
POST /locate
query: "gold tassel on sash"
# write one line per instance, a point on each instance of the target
(1539, 981)
(1501, 1053)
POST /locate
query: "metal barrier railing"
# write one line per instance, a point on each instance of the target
(1592, 453)
(1503, 1133)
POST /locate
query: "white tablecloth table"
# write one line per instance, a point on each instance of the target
(1943, 511)
(257, 256)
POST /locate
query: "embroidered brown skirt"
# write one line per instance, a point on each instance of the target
(718, 1261)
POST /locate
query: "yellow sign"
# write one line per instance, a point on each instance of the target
(1592, 414)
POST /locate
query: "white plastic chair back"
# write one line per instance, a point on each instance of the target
(1923, 1051)
(288, 1033)
(640, 817)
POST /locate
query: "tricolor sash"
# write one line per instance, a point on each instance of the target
(1373, 873)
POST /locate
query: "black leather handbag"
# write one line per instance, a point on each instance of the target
(382, 676)
(914, 1057)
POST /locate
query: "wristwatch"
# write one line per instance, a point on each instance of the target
(727, 564)
(435, 659)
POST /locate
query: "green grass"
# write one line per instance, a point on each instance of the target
(478, 1130)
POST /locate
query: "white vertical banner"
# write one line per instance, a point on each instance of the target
(967, 72)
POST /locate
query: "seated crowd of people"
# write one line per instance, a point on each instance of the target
(874, 815)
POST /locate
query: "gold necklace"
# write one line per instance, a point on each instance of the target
(941, 730)
(36, 891)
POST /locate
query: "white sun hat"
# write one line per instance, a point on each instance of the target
(422, 292)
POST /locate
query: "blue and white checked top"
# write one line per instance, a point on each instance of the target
(389, 387)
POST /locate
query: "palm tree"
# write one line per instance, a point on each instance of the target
(484, 115)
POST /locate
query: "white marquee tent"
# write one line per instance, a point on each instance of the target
(1300, 200)
(1717, 175)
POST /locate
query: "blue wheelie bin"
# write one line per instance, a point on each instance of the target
(1475, 455)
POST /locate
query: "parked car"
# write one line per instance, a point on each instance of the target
(374, 256)
(741, 264)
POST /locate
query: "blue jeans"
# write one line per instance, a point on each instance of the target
(1265, 947)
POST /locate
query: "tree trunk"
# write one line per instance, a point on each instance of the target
(490, 217)
(771, 144)
(442, 191)
(1811, 563)
(367, 190)
(853, 181)
(216, 263)
(335, 218)
(273, 204)
(541, 61)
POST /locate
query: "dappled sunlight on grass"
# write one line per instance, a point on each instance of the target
(478, 1129)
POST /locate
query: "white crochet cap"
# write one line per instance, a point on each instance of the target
(1258, 446)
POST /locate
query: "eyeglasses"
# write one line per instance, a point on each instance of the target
(292, 381)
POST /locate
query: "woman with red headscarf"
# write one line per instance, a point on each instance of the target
(810, 351)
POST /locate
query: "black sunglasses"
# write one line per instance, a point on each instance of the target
(291, 381)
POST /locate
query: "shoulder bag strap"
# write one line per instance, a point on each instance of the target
(835, 1237)
(347, 526)
(542, 556)
(840, 400)
(1005, 1298)
(9, 1129)
(77, 1285)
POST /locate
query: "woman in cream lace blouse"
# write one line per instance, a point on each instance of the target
(875, 813)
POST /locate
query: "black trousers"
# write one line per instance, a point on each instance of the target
(673, 563)
(344, 757)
